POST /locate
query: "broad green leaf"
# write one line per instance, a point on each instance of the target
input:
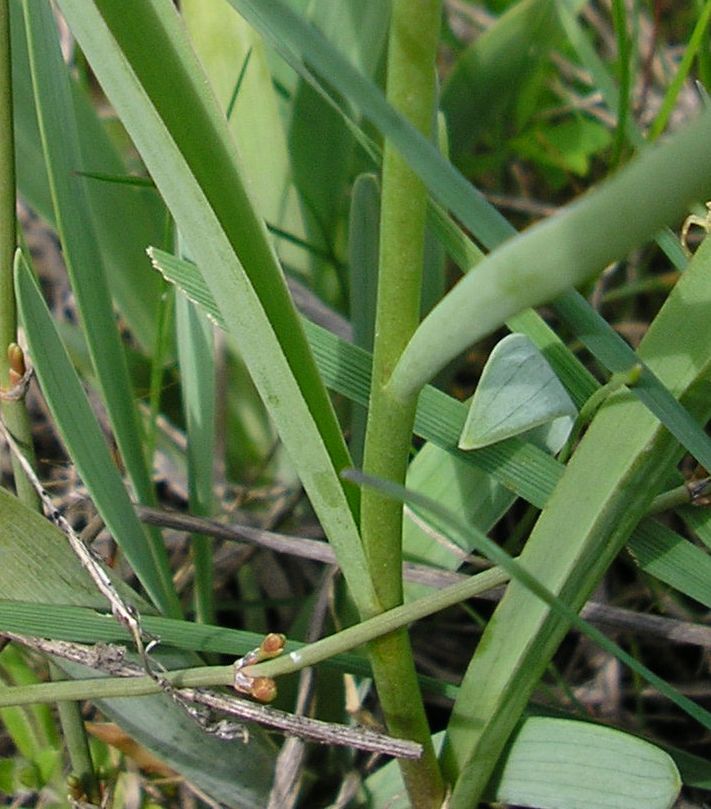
(460, 487)
(568, 146)
(518, 390)
(39, 567)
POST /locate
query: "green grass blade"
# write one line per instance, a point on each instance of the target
(185, 144)
(322, 149)
(699, 37)
(290, 32)
(624, 70)
(86, 445)
(618, 356)
(138, 210)
(233, 53)
(74, 218)
(197, 384)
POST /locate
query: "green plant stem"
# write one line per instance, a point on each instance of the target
(411, 90)
(393, 619)
(14, 413)
(107, 687)
(684, 495)
(76, 740)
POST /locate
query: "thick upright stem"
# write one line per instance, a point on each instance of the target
(411, 87)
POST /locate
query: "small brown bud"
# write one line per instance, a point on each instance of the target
(272, 645)
(263, 689)
(16, 360)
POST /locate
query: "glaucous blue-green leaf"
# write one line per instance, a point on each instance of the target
(555, 763)
(518, 392)
(563, 764)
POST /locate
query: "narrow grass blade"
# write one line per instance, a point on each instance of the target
(697, 40)
(363, 246)
(185, 144)
(74, 219)
(197, 385)
(139, 211)
(85, 442)
(233, 53)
